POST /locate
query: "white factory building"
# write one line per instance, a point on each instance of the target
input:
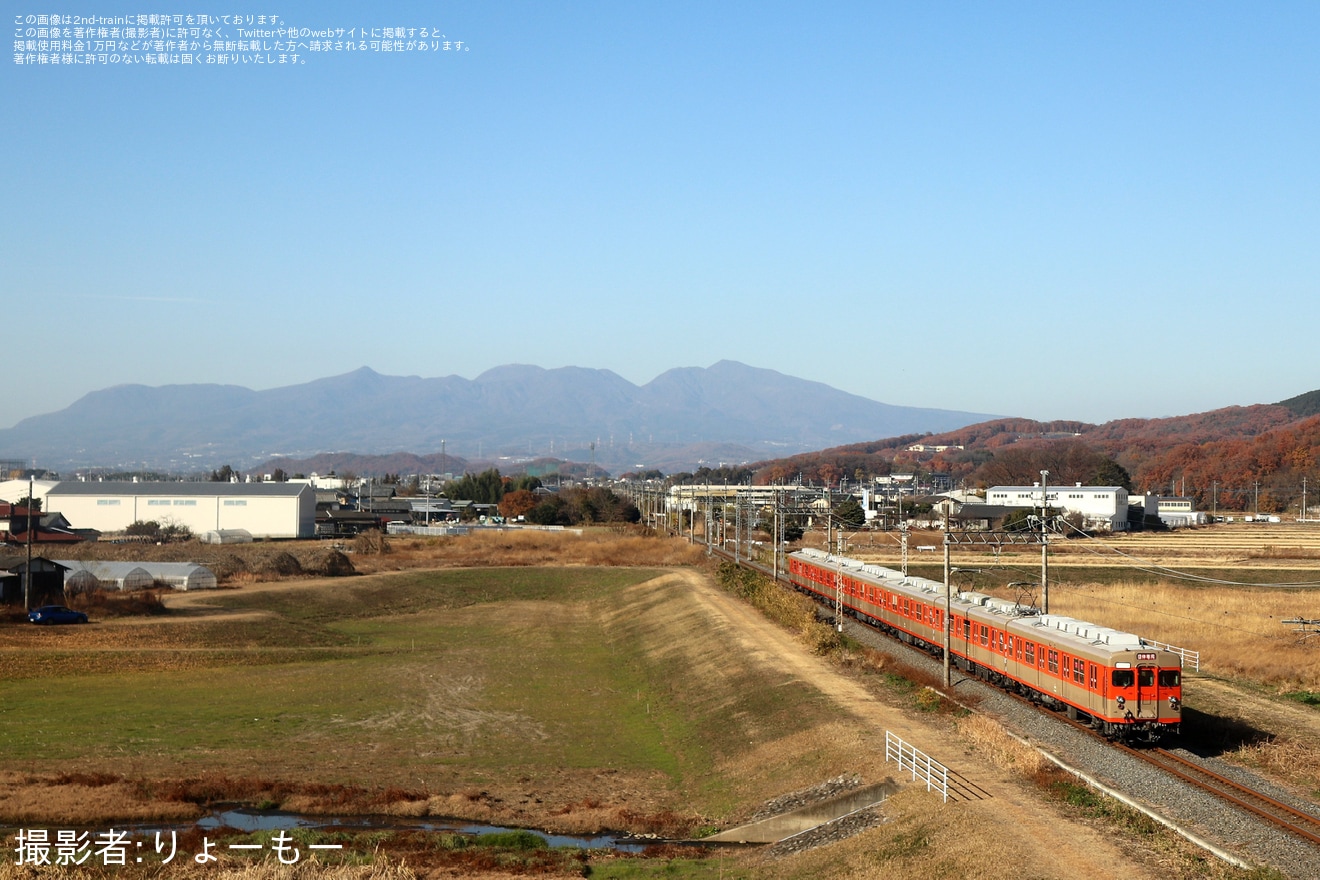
(1101, 507)
(266, 510)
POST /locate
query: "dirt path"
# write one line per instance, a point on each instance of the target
(1271, 716)
(1042, 837)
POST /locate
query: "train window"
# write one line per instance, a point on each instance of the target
(1123, 678)
(1067, 666)
(967, 630)
(1019, 650)
(1079, 672)
(1094, 675)
(1054, 662)
(985, 635)
(1146, 677)
(1170, 678)
(1030, 649)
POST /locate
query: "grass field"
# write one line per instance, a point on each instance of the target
(558, 697)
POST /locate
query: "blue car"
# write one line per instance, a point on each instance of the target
(51, 614)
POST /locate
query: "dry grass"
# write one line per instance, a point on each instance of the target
(599, 547)
(370, 553)
(84, 801)
(1284, 758)
(988, 739)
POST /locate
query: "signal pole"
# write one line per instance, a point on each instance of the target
(1044, 544)
(948, 600)
(27, 574)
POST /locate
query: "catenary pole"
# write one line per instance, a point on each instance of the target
(948, 600)
(1044, 544)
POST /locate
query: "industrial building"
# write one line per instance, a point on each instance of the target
(1100, 507)
(266, 510)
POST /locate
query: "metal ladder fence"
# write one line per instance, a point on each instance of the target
(1192, 657)
(923, 767)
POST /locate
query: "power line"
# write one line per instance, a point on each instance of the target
(1164, 571)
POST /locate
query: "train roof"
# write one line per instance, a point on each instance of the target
(1020, 618)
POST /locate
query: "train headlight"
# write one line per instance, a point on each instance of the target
(1121, 702)
(1175, 704)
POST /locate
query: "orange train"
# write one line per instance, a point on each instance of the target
(1124, 687)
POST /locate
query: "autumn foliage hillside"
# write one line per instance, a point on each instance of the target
(1220, 457)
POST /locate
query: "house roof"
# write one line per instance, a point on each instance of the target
(983, 511)
(18, 563)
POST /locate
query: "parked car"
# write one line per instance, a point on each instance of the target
(51, 614)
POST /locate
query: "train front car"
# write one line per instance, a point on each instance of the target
(1144, 698)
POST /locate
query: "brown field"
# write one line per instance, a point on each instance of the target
(266, 561)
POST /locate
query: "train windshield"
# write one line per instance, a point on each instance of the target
(1170, 678)
(1146, 677)
(1123, 678)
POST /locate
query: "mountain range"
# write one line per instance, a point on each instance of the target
(682, 418)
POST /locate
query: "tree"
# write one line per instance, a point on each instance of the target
(518, 503)
(279, 476)
(486, 487)
(1110, 473)
(849, 513)
(523, 482)
(224, 475)
(32, 505)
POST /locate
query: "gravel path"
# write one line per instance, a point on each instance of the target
(1238, 832)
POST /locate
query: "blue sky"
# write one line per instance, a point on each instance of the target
(1007, 208)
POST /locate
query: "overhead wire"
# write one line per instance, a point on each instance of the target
(1173, 573)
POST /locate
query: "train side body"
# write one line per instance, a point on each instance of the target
(1126, 688)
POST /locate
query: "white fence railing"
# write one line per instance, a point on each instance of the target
(933, 773)
(1192, 657)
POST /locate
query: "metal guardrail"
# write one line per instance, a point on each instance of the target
(923, 767)
(1192, 657)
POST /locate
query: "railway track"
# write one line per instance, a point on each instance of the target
(1244, 797)
(1284, 817)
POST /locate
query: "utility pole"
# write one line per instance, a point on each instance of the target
(27, 573)
(903, 539)
(1214, 500)
(829, 521)
(838, 595)
(1044, 544)
(709, 530)
(692, 517)
(948, 601)
(1303, 499)
(737, 526)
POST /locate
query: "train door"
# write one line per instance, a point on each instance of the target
(1148, 693)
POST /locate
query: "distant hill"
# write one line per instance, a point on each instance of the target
(680, 419)
(1302, 405)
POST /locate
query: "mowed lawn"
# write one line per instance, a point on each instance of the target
(426, 681)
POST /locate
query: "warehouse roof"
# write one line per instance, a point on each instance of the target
(203, 489)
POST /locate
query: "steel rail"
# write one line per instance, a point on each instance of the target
(1235, 793)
